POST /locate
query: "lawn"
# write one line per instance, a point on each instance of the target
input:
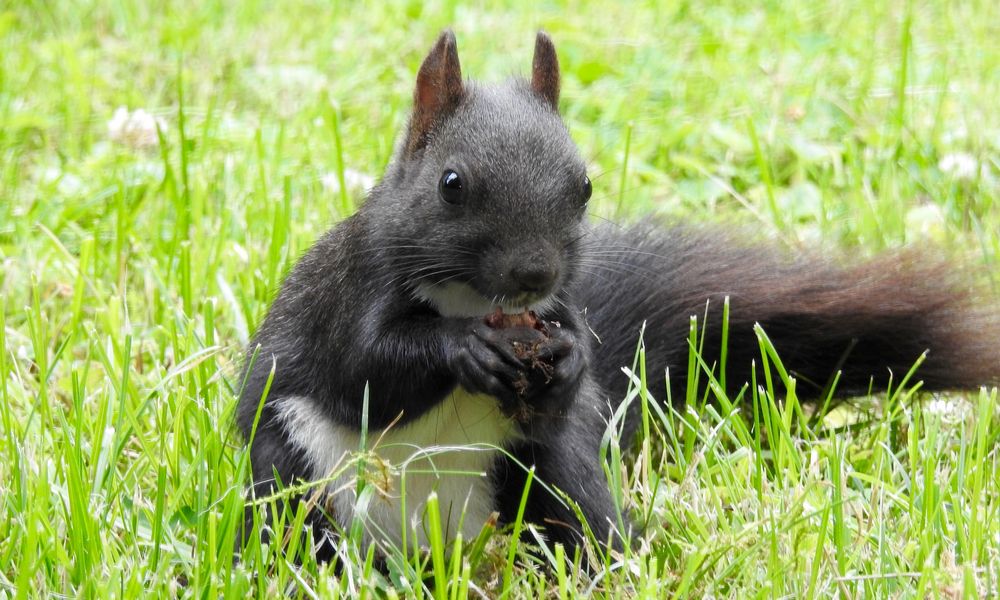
(163, 164)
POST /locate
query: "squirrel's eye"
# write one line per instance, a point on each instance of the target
(588, 189)
(450, 187)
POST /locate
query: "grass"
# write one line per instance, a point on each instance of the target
(133, 269)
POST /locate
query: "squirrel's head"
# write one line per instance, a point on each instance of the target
(487, 194)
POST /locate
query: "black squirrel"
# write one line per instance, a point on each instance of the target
(484, 207)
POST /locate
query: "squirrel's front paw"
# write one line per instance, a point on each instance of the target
(567, 359)
(484, 360)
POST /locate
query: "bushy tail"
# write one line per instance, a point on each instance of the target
(871, 321)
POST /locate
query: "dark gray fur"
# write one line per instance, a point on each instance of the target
(347, 314)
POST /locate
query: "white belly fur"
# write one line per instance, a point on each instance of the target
(450, 450)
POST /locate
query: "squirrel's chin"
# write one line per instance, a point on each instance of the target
(455, 299)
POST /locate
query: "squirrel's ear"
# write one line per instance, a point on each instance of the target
(545, 70)
(439, 89)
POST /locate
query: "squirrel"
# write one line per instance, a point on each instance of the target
(381, 334)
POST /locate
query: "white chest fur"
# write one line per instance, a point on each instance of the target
(448, 450)
(453, 299)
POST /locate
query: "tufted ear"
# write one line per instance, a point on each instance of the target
(439, 90)
(545, 70)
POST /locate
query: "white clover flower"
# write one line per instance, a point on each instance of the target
(926, 220)
(950, 410)
(354, 180)
(960, 165)
(136, 129)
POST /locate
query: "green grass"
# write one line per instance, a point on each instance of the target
(132, 274)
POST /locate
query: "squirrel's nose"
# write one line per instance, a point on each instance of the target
(534, 278)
